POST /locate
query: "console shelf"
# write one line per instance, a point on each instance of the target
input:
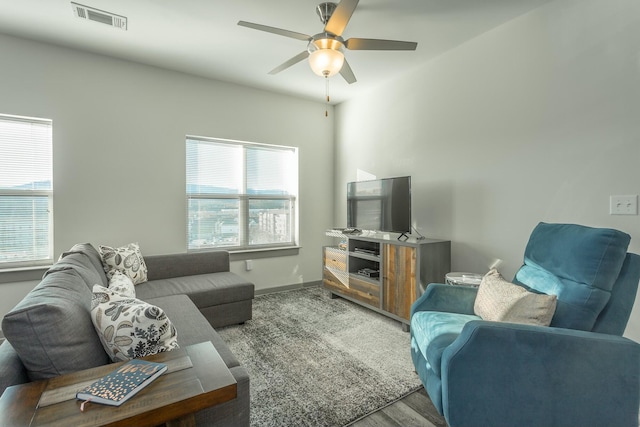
(385, 274)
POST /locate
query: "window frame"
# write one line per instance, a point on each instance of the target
(244, 199)
(5, 192)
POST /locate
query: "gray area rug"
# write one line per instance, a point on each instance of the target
(316, 361)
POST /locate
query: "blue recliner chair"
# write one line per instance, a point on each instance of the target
(579, 371)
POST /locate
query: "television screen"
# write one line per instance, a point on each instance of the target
(380, 205)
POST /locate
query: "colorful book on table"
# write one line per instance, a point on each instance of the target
(120, 385)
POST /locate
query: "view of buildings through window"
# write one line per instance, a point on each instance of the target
(240, 195)
(26, 191)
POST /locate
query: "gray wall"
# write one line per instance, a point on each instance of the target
(119, 151)
(537, 120)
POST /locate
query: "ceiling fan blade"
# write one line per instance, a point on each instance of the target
(347, 73)
(274, 30)
(340, 17)
(299, 57)
(376, 44)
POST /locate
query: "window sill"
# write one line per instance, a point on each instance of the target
(23, 274)
(257, 253)
(244, 254)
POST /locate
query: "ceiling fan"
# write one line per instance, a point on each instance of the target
(324, 49)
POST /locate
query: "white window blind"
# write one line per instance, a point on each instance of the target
(240, 195)
(26, 191)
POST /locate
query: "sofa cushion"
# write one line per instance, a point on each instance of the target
(615, 316)
(205, 290)
(93, 256)
(193, 326)
(434, 331)
(128, 259)
(51, 328)
(130, 328)
(186, 264)
(500, 301)
(83, 267)
(578, 264)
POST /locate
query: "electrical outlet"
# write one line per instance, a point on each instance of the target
(623, 205)
(248, 264)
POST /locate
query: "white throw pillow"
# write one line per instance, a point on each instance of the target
(128, 327)
(501, 301)
(127, 259)
(122, 284)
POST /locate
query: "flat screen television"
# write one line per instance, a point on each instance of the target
(380, 205)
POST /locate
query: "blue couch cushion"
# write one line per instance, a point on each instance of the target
(615, 316)
(433, 331)
(578, 264)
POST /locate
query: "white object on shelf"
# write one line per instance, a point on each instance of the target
(468, 279)
(333, 233)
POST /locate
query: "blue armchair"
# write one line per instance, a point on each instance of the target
(579, 371)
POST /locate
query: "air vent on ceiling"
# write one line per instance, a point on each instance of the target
(97, 15)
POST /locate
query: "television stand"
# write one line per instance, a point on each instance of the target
(403, 237)
(383, 273)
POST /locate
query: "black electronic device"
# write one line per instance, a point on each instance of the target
(380, 205)
(351, 231)
(366, 251)
(369, 272)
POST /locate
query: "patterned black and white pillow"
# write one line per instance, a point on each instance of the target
(122, 284)
(130, 328)
(127, 259)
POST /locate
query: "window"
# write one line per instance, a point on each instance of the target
(26, 192)
(240, 195)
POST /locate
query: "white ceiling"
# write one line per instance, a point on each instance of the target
(201, 37)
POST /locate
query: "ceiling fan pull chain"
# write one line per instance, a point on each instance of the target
(326, 111)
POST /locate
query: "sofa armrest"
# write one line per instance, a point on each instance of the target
(186, 264)
(12, 371)
(441, 297)
(508, 374)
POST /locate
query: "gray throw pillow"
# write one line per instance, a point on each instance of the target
(51, 328)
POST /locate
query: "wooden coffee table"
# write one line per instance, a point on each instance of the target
(197, 378)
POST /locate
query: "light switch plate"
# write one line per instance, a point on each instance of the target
(623, 205)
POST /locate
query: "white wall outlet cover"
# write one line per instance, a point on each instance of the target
(623, 205)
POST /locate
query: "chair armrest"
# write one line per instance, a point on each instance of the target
(441, 297)
(509, 374)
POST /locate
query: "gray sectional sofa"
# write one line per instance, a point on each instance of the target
(50, 331)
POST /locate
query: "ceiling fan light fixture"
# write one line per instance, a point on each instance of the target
(326, 62)
(325, 49)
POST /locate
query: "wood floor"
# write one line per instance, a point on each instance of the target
(414, 410)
